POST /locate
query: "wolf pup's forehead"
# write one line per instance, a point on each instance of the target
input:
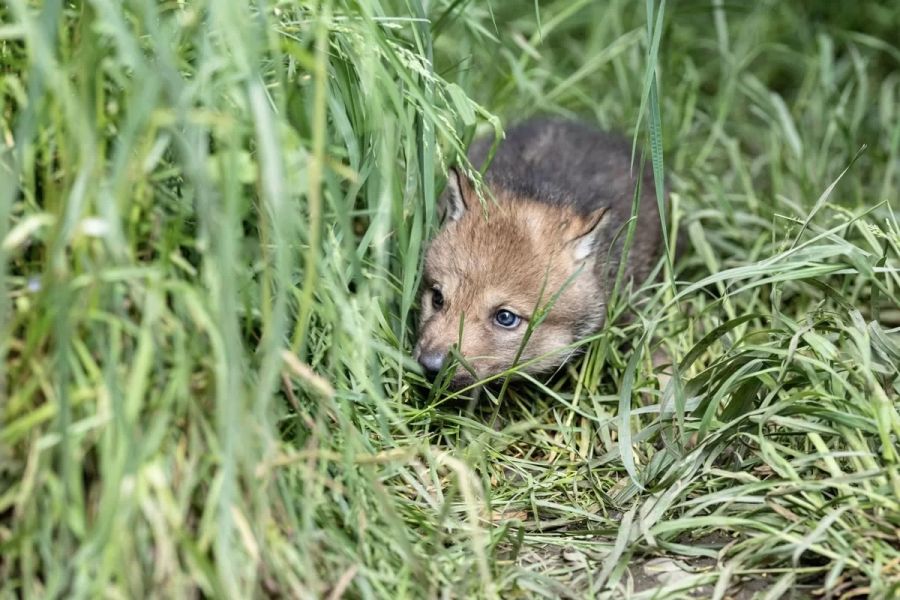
(512, 237)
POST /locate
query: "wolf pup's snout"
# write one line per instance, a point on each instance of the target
(431, 361)
(560, 194)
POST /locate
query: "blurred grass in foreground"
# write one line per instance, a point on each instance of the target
(212, 217)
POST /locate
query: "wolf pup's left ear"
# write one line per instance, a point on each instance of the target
(587, 234)
(457, 196)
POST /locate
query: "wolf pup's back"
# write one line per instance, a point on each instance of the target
(572, 163)
(564, 193)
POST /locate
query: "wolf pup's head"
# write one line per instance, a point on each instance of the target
(488, 272)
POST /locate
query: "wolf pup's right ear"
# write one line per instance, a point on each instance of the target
(457, 196)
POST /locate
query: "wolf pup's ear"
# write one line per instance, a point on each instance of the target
(587, 234)
(456, 199)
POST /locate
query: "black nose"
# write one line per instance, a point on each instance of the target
(431, 363)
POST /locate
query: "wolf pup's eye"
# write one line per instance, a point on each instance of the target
(437, 299)
(507, 319)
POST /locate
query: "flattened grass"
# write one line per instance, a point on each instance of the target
(212, 218)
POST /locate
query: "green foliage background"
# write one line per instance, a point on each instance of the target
(212, 216)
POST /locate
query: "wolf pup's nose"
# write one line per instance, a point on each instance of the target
(431, 362)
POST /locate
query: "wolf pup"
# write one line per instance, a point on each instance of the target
(555, 228)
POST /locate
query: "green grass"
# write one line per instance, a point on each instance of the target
(212, 219)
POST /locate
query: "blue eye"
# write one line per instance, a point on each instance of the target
(508, 319)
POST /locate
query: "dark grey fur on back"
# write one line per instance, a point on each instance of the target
(572, 163)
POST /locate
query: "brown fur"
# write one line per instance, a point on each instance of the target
(503, 259)
(517, 252)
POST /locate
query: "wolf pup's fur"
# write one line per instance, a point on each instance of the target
(564, 193)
